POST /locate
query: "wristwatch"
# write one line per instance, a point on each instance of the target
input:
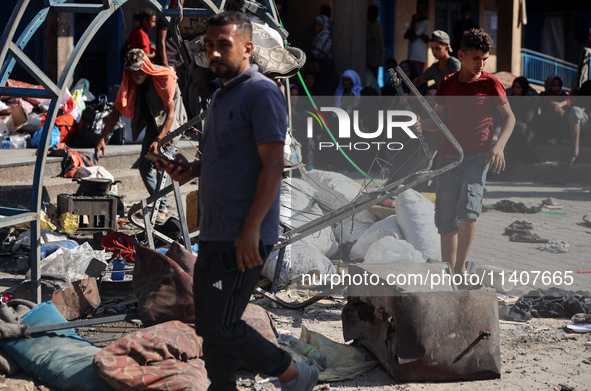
(158, 140)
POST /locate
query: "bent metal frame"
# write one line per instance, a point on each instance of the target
(12, 52)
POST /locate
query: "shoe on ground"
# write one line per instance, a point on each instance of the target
(527, 238)
(519, 226)
(306, 380)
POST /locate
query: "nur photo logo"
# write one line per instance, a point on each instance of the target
(388, 121)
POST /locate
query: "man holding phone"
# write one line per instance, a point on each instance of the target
(240, 170)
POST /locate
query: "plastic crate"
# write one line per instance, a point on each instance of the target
(94, 213)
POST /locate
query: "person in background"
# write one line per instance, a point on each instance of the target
(578, 119)
(326, 76)
(168, 53)
(409, 70)
(322, 43)
(418, 36)
(375, 41)
(555, 104)
(150, 97)
(138, 38)
(348, 91)
(524, 103)
(444, 66)
(388, 89)
(465, 23)
(309, 76)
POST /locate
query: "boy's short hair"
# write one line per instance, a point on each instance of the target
(243, 24)
(476, 39)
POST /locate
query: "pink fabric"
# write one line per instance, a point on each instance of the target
(164, 80)
(162, 357)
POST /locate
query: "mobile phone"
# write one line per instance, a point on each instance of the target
(155, 157)
(228, 257)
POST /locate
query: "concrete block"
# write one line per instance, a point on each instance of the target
(424, 334)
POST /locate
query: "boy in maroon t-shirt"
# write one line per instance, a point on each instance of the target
(466, 101)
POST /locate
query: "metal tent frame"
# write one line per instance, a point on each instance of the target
(12, 52)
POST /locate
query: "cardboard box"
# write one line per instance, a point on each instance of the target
(16, 119)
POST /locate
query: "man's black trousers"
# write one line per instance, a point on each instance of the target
(220, 300)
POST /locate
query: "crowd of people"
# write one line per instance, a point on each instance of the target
(551, 117)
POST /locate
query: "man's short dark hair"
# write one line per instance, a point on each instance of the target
(476, 39)
(243, 25)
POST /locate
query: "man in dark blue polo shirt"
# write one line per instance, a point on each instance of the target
(240, 174)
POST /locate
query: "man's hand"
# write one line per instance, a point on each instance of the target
(181, 171)
(153, 147)
(496, 159)
(109, 125)
(100, 146)
(247, 249)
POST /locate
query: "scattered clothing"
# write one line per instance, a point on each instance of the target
(516, 207)
(120, 244)
(72, 160)
(11, 325)
(547, 303)
(519, 226)
(527, 238)
(555, 246)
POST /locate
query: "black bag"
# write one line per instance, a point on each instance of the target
(92, 123)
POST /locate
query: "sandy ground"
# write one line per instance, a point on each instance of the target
(538, 355)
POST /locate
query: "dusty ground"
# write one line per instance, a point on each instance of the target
(538, 355)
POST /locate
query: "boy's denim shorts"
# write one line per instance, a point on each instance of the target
(459, 191)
